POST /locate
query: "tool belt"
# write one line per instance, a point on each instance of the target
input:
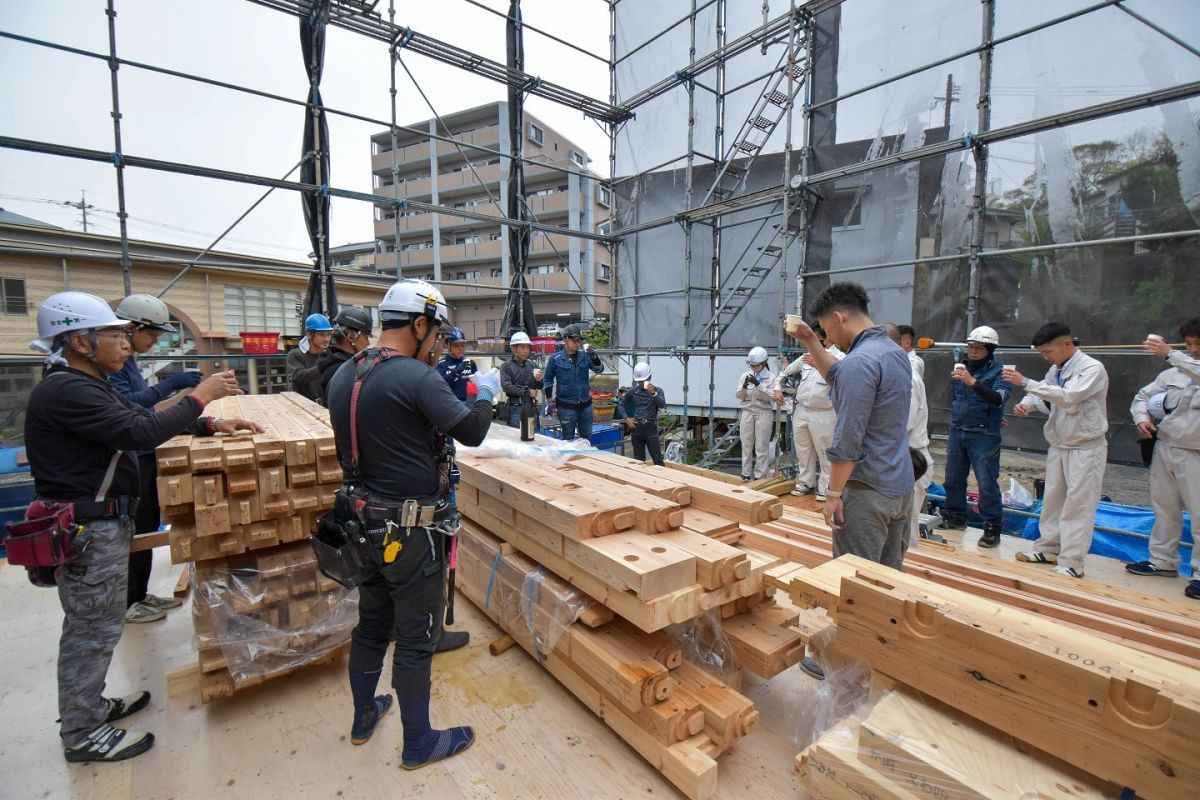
(50, 535)
(415, 513)
(572, 406)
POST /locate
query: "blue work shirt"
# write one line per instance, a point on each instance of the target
(871, 390)
(456, 371)
(573, 374)
(971, 410)
(128, 381)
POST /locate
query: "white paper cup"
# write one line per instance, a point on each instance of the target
(791, 322)
(1154, 337)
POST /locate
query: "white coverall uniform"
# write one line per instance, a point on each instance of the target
(1175, 470)
(813, 421)
(757, 420)
(918, 439)
(1074, 396)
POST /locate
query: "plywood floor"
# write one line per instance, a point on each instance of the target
(289, 738)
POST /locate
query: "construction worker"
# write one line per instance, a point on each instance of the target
(641, 405)
(1175, 470)
(572, 372)
(150, 319)
(302, 371)
(918, 440)
(1073, 394)
(813, 418)
(979, 394)
(869, 500)
(756, 399)
(519, 378)
(81, 437)
(454, 368)
(351, 334)
(391, 415)
(908, 340)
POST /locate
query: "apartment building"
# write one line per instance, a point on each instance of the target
(469, 259)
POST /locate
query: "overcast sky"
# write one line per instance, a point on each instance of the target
(64, 98)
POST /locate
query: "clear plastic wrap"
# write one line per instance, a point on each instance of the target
(704, 643)
(525, 598)
(907, 745)
(505, 442)
(267, 613)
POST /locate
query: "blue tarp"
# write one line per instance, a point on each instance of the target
(1124, 548)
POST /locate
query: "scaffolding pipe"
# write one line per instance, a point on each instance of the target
(124, 62)
(1150, 99)
(393, 57)
(980, 154)
(117, 155)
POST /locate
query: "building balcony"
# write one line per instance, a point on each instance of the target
(468, 253)
(450, 183)
(418, 153)
(547, 208)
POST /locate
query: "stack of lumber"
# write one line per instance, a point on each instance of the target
(1145, 622)
(264, 614)
(677, 716)
(234, 505)
(224, 495)
(637, 545)
(1116, 716)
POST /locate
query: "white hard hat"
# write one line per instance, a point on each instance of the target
(757, 355)
(146, 310)
(520, 337)
(411, 298)
(1156, 407)
(72, 311)
(641, 371)
(983, 335)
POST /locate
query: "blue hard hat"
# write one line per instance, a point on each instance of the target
(317, 322)
(455, 336)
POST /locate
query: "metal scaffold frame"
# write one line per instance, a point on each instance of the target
(362, 19)
(793, 197)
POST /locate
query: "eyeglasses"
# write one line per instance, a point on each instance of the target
(127, 335)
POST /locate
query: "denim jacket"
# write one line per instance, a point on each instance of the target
(573, 378)
(969, 411)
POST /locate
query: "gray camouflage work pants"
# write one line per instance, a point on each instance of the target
(92, 592)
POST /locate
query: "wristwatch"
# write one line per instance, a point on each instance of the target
(834, 493)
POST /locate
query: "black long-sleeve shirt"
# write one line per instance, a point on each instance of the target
(74, 422)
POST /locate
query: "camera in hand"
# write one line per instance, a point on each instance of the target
(751, 380)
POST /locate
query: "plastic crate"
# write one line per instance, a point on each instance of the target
(257, 343)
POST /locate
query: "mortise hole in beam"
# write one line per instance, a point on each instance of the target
(631, 558)
(658, 549)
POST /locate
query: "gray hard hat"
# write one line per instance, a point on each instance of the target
(572, 332)
(354, 318)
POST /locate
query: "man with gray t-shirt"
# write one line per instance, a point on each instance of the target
(869, 501)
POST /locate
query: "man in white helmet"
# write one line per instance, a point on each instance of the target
(756, 399)
(1175, 468)
(391, 414)
(151, 320)
(978, 396)
(519, 378)
(81, 436)
(642, 403)
(813, 418)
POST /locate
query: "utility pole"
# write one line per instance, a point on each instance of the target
(83, 207)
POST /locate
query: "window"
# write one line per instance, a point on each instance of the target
(847, 209)
(579, 158)
(13, 291)
(603, 196)
(468, 239)
(249, 308)
(536, 134)
(605, 272)
(473, 275)
(497, 272)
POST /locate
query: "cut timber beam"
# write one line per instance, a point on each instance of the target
(1069, 693)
